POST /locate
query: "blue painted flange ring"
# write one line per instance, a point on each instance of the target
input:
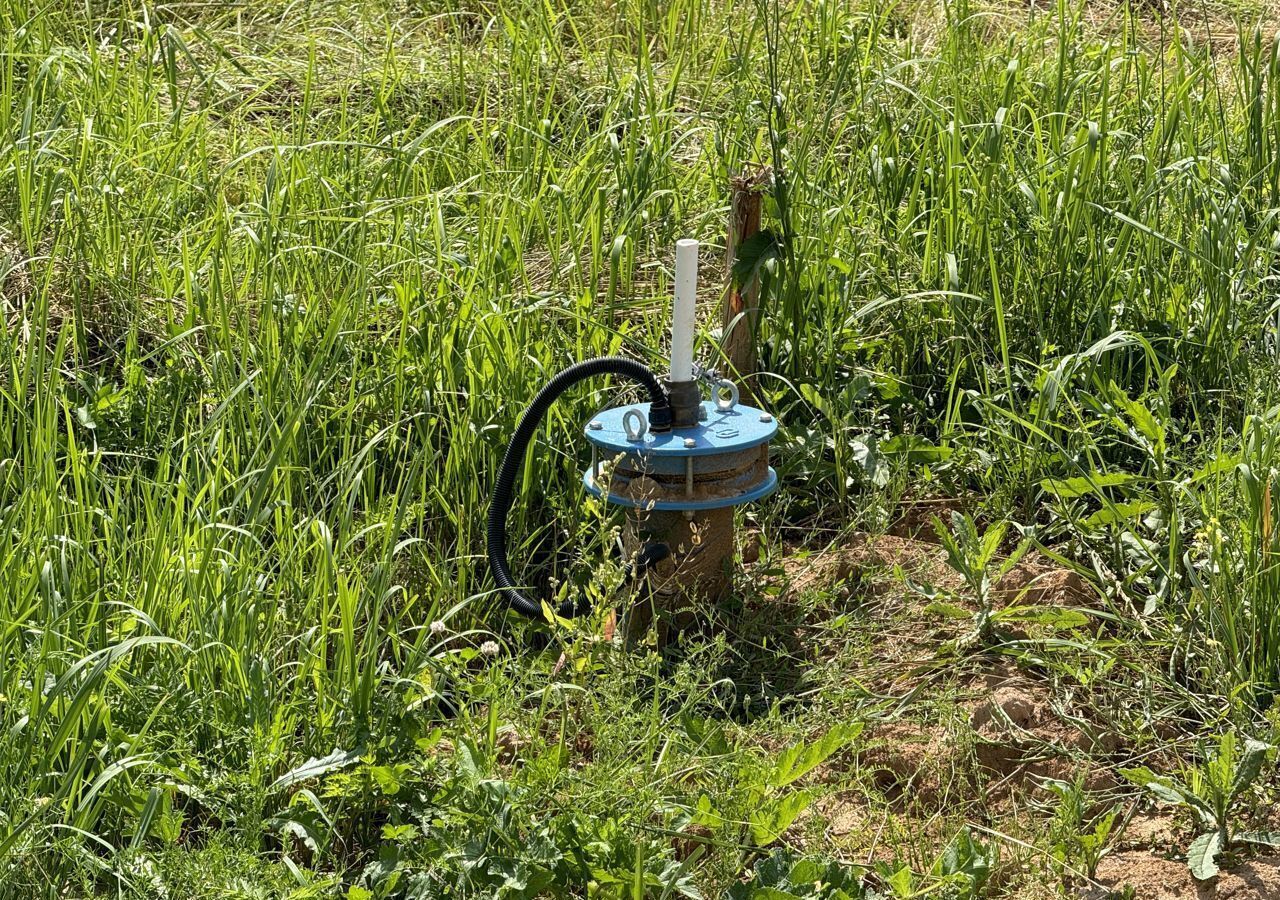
(763, 489)
(722, 431)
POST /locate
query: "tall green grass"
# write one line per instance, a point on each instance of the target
(278, 279)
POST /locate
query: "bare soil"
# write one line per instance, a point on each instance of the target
(983, 729)
(909, 761)
(868, 564)
(1154, 877)
(864, 561)
(1038, 581)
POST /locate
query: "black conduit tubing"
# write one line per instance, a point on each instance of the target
(500, 502)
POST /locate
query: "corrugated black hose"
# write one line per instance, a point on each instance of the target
(500, 503)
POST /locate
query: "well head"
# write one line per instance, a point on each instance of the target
(719, 461)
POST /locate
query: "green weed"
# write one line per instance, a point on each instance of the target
(1211, 792)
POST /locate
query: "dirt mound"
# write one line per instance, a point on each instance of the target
(1156, 878)
(1251, 879)
(864, 559)
(869, 834)
(1151, 878)
(868, 565)
(846, 814)
(915, 517)
(1150, 830)
(1038, 581)
(909, 760)
(1007, 703)
(1016, 733)
(1034, 582)
(1020, 735)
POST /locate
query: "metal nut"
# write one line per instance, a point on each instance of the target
(596, 425)
(690, 443)
(766, 417)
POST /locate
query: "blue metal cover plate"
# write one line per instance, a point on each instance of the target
(724, 431)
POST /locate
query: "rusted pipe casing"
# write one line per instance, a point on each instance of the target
(680, 487)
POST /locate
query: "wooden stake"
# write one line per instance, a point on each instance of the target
(741, 308)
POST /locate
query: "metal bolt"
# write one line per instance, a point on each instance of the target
(596, 425)
(766, 417)
(635, 424)
(690, 443)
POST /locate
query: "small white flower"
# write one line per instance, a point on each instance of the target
(489, 648)
(438, 627)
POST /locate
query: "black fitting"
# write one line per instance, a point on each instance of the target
(649, 556)
(504, 486)
(686, 402)
(660, 418)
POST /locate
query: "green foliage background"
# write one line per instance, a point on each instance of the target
(278, 278)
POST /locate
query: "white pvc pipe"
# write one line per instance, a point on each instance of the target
(684, 313)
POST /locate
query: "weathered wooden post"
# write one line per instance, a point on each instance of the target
(741, 308)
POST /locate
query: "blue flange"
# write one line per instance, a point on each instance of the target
(723, 431)
(713, 452)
